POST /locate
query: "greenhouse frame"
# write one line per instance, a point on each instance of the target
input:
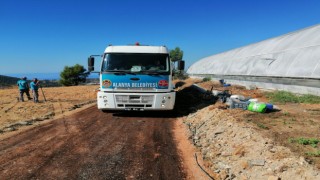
(290, 62)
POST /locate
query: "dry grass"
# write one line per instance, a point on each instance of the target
(59, 101)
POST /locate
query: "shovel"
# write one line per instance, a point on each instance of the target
(43, 94)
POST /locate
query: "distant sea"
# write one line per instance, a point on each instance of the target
(44, 76)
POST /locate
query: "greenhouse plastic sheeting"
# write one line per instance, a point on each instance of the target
(295, 54)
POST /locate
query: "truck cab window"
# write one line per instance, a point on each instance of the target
(135, 62)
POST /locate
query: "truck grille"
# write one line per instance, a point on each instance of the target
(135, 99)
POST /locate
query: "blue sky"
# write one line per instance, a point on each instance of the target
(43, 36)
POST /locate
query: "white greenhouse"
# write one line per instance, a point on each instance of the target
(289, 62)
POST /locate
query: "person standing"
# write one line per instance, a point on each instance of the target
(34, 85)
(23, 88)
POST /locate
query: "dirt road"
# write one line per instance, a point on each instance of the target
(94, 145)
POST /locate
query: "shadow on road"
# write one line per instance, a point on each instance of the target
(188, 100)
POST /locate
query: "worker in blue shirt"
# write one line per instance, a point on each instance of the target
(34, 85)
(23, 88)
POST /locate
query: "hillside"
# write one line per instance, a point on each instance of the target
(6, 81)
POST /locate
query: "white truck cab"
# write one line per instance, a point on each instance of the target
(135, 77)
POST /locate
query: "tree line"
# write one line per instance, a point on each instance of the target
(74, 75)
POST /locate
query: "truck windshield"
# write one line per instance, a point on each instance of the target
(136, 63)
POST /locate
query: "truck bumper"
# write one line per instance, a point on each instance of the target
(136, 101)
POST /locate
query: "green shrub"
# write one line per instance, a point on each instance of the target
(206, 79)
(312, 99)
(315, 154)
(305, 141)
(285, 97)
(182, 75)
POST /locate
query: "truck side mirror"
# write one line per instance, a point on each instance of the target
(181, 65)
(91, 64)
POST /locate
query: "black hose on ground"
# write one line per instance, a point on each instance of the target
(195, 155)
